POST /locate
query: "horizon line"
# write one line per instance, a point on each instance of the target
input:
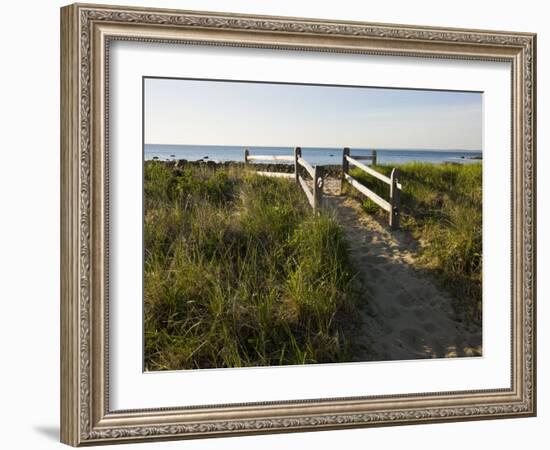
(328, 148)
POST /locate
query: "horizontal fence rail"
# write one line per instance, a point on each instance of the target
(372, 157)
(391, 206)
(384, 204)
(306, 166)
(276, 174)
(248, 157)
(370, 171)
(270, 158)
(306, 190)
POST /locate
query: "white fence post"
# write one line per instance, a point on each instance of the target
(297, 155)
(318, 182)
(345, 168)
(394, 199)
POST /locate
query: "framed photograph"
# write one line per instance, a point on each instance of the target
(276, 224)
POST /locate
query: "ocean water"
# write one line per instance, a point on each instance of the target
(316, 156)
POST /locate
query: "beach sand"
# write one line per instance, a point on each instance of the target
(406, 314)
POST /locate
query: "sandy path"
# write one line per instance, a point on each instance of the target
(405, 314)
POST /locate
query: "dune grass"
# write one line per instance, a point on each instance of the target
(239, 272)
(441, 205)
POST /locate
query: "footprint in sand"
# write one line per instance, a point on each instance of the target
(474, 341)
(374, 272)
(423, 292)
(429, 327)
(404, 299)
(412, 337)
(371, 260)
(391, 313)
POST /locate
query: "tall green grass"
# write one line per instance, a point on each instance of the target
(239, 272)
(441, 205)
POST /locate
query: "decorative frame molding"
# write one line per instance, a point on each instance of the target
(86, 31)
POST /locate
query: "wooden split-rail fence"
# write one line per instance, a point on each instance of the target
(317, 174)
(391, 206)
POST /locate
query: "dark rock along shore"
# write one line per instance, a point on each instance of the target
(330, 170)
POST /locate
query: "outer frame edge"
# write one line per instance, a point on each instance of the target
(70, 314)
(69, 310)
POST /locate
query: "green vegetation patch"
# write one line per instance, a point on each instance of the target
(239, 272)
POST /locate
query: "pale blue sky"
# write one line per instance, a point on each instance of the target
(196, 112)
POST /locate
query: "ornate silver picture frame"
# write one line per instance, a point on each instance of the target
(87, 32)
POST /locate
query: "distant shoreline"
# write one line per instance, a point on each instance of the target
(316, 156)
(276, 147)
(331, 170)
